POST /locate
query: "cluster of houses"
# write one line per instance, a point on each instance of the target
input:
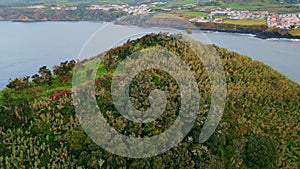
(246, 14)
(284, 21)
(239, 14)
(135, 9)
(214, 16)
(140, 9)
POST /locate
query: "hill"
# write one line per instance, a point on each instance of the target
(259, 127)
(174, 2)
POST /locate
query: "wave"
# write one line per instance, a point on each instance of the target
(247, 34)
(283, 39)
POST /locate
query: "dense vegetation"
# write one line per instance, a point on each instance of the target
(27, 15)
(259, 128)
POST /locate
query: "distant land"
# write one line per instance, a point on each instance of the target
(145, 1)
(168, 20)
(95, 10)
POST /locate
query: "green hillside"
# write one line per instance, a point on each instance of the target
(260, 127)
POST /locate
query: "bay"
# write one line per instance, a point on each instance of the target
(27, 46)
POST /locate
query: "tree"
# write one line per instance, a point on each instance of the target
(64, 70)
(46, 75)
(36, 78)
(19, 84)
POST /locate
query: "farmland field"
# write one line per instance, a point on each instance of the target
(243, 7)
(247, 22)
(295, 32)
(181, 2)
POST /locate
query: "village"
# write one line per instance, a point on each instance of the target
(139, 9)
(218, 15)
(282, 21)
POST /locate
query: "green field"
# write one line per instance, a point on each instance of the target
(181, 2)
(241, 6)
(220, 16)
(247, 22)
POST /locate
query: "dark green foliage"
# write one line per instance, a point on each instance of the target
(261, 152)
(46, 75)
(75, 139)
(36, 79)
(65, 70)
(19, 84)
(15, 103)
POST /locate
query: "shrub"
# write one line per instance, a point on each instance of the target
(260, 152)
(64, 71)
(75, 139)
(19, 84)
(60, 94)
(46, 75)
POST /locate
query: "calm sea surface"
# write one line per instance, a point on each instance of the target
(24, 47)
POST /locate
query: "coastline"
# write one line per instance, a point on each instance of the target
(255, 33)
(259, 31)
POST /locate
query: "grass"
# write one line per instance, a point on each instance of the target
(181, 2)
(241, 6)
(191, 14)
(295, 32)
(246, 22)
(46, 90)
(56, 85)
(220, 16)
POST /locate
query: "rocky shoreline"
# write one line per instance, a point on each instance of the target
(257, 34)
(260, 31)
